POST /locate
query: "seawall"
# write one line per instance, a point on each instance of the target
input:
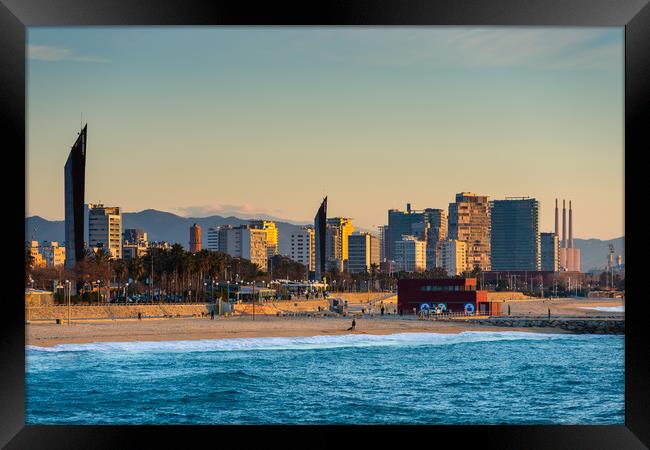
(591, 326)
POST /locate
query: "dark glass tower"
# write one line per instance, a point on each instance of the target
(320, 227)
(75, 179)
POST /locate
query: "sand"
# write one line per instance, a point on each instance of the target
(49, 334)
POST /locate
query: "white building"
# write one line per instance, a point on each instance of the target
(410, 254)
(240, 242)
(301, 247)
(452, 256)
(105, 229)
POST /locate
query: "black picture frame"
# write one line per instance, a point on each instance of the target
(16, 15)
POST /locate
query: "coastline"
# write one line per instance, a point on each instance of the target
(48, 334)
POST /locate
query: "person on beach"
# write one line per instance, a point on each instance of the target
(382, 310)
(354, 324)
(139, 315)
(212, 314)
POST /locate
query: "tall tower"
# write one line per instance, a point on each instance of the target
(75, 181)
(195, 238)
(557, 225)
(563, 223)
(570, 226)
(320, 225)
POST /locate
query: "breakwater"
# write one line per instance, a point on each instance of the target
(590, 326)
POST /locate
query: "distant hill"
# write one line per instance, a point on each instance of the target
(165, 226)
(160, 226)
(593, 252)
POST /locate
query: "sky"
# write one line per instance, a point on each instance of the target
(268, 120)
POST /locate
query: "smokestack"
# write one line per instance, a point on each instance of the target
(563, 223)
(557, 224)
(570, 226)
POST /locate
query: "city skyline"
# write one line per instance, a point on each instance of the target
(575, 110)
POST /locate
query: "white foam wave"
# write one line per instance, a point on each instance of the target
(605, 308)
(310, 342)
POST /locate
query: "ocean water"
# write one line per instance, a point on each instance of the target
(410, 378)
(605, 308)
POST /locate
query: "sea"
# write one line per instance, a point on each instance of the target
(407, 378)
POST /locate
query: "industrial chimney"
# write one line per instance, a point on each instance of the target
(563, 223)
(570, 226)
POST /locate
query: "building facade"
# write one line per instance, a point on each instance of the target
(37, 256)
(449, 295)
(550, 252)
(105, 229)
(363, 252)
(302, 248)
(271, 235)
(53, 254)
(452, 256)
(242, 241)
(195, 238)
(135, 243)
(515, 241)
(429, 225)
(74, 174)
(338, 230)
(410, 255)
(469, 221)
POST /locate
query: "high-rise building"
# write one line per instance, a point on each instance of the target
(550, 252)
(469, 221)
(429, 225)
(195, 238)
(410, 254)
(452, 256)
(363, 252)
(514, 242)
(217, 238)
(320, 223)
(105, 229)
(134, 235)
(242, 241)
(338, 230)
(271, 235)
(301, 247)
(383, 251)
(75, 180)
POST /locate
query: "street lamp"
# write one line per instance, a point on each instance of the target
(67, 291)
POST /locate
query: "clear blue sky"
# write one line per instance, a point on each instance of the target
(209, 120)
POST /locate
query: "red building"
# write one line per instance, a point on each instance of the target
(195, 238)
(454, 295)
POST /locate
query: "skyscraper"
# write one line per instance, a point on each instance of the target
(452, 256)
(75, 180)
(429, 225)
(410, 254)
(469, 221)
(515, 234)
(301, 248)
(363, 251)
(338, 231)
(195, 238)
(320, 223)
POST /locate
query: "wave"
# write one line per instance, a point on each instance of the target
(605, 308)
(310, 342)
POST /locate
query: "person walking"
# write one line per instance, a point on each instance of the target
(549, 314)
(212, 314)
(354, 324)
(382, 310)
(139, 315)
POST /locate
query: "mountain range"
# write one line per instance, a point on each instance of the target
(165, 226)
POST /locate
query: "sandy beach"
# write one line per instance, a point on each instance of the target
(48, 334)
(159, 329)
